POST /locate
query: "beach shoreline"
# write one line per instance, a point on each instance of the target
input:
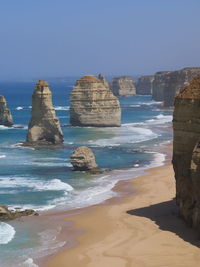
(128, 190)
(140, 229)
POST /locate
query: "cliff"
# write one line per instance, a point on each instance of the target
(5, 115)
(44, 126)
(159, 85)
(186, 152)
(123, 86)
(144, 85)
(93, 104)
(167, 85)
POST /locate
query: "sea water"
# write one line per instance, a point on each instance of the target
(43, 179)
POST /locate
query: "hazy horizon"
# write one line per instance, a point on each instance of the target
(72, 38)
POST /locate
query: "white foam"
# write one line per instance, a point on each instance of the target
(29, 263)
(62, 108)
(2, 156)
(19, 108)
(34, 184)
(126, 134)
(7, 233)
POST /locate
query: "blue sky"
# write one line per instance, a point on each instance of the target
(116, 37)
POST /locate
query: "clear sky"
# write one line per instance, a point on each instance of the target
(115, 37)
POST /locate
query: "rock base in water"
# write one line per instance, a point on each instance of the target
(5, 115)
(6, 214)
(83, 159)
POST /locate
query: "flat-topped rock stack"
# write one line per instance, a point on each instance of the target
(123, 86)
(186, 152)
(93, 104)
(5, 114)
(44, 127)
(144, 85)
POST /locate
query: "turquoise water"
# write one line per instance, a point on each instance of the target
(44, 179)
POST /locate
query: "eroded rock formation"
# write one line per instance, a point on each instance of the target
(123, 86)
(167, 85)
(186, 152)
(144, 85)
(5, 115)
(93, 104)
(83, 159)
(44, 127)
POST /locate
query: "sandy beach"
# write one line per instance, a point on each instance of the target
(142, 230)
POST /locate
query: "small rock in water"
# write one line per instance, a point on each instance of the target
(83, 159)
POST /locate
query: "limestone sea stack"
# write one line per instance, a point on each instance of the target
(93, 104)
(123, 86)
(44, 127)
(5, 114)
(144, 85)
(83, 159)
(186, 152)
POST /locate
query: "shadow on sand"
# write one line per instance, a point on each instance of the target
(165, 215)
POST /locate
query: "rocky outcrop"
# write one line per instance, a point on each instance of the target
(6, 214)
(5, 115)
(167, 85)
(144, 85)
(83, 159)
(123, 86)
(44, 127)
(186, 152)
(93, 104)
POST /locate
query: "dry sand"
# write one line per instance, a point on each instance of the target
(142, 231)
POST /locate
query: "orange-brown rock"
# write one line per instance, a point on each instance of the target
(123, 86)
(44, 127)
(93, 104)
(186, 152)
(5, 114)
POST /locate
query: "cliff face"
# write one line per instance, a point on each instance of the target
(186, 152)
(5, 115)
(44, 126)
(159, 85)
(123, 86)
(93, 104)
(167, 85)
(144, 85)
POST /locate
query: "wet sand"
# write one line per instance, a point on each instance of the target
(141, 230)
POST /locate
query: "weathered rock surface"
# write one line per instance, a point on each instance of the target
(159, 84)
(123, 86)
(6, 214)
(186, 152)
(83, 159)
(144, 85)
(44, 127)
(103, 80)
(93, 104)
(167, 85)
(5, 115)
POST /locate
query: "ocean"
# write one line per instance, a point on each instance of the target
(44, 180)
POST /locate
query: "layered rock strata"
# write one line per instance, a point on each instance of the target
(103, 80)
(93, 104)
(44, 127)
(83, 159)
(5, 114)
(167, 85)
(186, 152)
(144, 85)
(123, 86)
